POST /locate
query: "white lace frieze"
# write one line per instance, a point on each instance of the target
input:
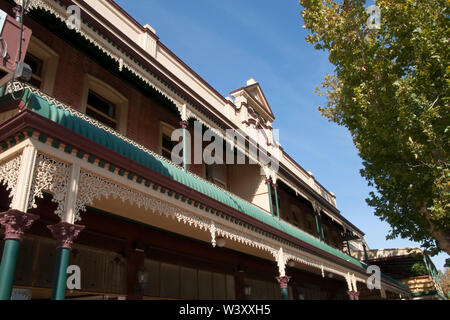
(9, 173)
(52, 176)
(93, 187)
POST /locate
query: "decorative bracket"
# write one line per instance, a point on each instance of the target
(51, 175)
(9, 173)
(281, 262)
(212, 229)
(317, 208)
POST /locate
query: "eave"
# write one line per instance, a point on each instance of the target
(131, 49)
(26, 119)
(21, 123)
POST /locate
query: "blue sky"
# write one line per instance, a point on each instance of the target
(227, 42)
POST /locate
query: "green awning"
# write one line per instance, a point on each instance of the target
(71, 121)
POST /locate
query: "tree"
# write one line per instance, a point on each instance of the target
(444, 279)
(390, 88)
(419, 269)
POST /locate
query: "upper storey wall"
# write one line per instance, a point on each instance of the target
(147, 40)
(145, 44)
(136, 35)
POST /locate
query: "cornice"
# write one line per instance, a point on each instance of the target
(28, 119)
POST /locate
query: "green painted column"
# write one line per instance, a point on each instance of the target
(348, 248)
(317, 226)
(274, 185)
(184, 127)
(284, 294)
(430, 269)
(15, 222)
(283, 281)
(366, 257)
(60, 277)
(270, 196)
(426, 265)
(64, 233)
(8, 268)
(321, 228)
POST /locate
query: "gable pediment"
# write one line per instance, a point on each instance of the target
(256, 99)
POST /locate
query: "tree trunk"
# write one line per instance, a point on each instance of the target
(442, 237)
(443, 240)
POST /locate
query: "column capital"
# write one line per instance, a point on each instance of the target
(65, 233)
(17, 11)
(268, 181)
(183, 124)
(15, 222)
(274, 185)
(354, 295)
(283, 281)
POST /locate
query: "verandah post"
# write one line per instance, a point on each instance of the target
(17, 220)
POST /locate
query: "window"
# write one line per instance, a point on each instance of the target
(105, 104)
(325, 234)
(309, 226)
(166, 142)
(182, 282)
(295, 211)
(217, 174)
(44, 63)
(336, 242)
(101, 109)
(36, 65)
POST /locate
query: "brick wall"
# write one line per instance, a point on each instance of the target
(144, 115)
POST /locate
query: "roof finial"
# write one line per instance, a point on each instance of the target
(251, 81)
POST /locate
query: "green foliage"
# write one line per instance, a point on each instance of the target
(390, 89)
(419, 269)
(444, 279)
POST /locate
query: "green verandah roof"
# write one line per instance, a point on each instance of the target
(71, 121)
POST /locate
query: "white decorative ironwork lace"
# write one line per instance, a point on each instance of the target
(52, 176)
(9, 173)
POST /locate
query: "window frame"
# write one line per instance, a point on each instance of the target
(165, 129)
(218, 181)
(310, 225)
(101, 113)
(295, 214)
(50, 60)
(109, 94)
